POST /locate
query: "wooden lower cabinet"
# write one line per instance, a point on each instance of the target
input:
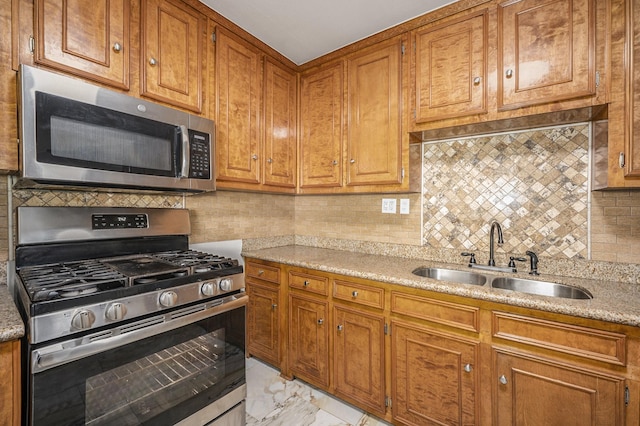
(262, 322)
(529, 390)
(434, 376)
(359, 357)
(10, 383)
(309, 339)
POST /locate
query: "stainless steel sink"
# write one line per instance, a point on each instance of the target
(541, 288)
(451, 275)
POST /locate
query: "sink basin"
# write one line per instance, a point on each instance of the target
(451, 275)
(541, 288)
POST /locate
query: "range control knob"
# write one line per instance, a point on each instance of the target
(115, 311)
(168, 298)
(83, 319)
(208, 289)
(226, 284)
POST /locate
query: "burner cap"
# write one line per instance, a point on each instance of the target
(144, 280)
(180, 274)
(201, 269)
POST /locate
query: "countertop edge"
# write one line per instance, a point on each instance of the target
(11, 325)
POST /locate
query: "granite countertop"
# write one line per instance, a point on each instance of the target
(612, 301)
(11, 325)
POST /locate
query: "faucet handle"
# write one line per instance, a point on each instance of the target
(512, 261)
(534, 263)
(472, 255)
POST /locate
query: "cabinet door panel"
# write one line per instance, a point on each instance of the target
(546, 51)
(450, 63)
(432, 385)
(359, 357)
(309, 339)
(262, 325)
(172, 53)
(541, 392)
(88, 39)
(633, 143)
(280, 127)
(238, 82)
(321, 127)
(374, 107)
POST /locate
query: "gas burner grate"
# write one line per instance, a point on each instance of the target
(197, 261)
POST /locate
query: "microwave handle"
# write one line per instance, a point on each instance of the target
(186, 152)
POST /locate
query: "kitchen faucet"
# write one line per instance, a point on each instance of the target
(494, 225)
(491, 266)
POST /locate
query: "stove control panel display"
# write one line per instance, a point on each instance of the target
(120, 221)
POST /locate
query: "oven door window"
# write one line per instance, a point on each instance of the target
(159, 380)
(73, 133)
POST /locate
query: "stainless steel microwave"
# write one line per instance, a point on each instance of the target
(79, 135)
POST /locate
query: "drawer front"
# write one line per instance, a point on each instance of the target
(451, 314)
(311, 283)
(263, 272)
(572, 339)
(358, 293)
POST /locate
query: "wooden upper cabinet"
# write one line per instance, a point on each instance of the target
(87, 39)
(172, 53)
(374, 98)
(451, 68)
(546, 51)
(239, 97)
(322, 127)
(280, 127)
(632, 147)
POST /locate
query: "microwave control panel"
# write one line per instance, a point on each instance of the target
(200, 161)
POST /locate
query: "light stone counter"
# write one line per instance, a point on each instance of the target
(11, 325)
(612, 301)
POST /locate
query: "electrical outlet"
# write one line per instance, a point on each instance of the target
(404, 206)
(389, 205)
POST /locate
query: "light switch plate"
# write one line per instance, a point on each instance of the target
(389, 205)
(404, 206)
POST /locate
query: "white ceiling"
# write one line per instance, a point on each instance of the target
(303, 30)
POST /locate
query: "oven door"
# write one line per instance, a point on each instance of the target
(157, 371)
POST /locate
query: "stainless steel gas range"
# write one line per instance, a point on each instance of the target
(125, 324)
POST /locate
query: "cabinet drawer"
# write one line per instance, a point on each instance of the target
(358, 293)
(451, 314)
(311, 283)
(263, 272)
(575, 340)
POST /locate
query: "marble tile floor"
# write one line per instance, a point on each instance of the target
(274, 401)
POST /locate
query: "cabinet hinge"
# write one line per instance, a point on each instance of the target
(387, 330)
(213, 37)
(627, 396)
(32, 44)
(597, 78)
(387, 401)
(621, 160)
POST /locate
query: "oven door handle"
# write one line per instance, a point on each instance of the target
(65, 352)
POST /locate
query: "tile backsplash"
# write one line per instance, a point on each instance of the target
(534, 183)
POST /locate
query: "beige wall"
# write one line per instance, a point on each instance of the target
(615, 226)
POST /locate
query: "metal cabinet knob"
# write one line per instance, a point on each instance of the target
(260, 272)
(117, 47)
(340, 327)
(468, 368)
(306, 283)
(476, 81)
(320, 321)
(509, 73)
(352, 161)
(153, 62)
(269, 160)
(354, 294)
(503, 380)
(275, 305)
(335, 162)
(254, 157)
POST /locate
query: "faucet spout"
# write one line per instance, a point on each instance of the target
(494, 226)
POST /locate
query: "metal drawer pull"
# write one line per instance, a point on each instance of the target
(275, 305)
(306, 283)
(260, 272)
(354, 293)
(320, 321)
(468, 368)
(503, 380)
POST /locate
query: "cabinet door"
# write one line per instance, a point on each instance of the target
(309, 339)
(374, 106)
(10, 384)
(546, 51)
(534, 391)
(321, 127)
(633, 103)
(359, 358)
(239, 97)
(435, 377)
(450, 63)
(87, 39)
(263, 336)
(172, 53)
(280, 127)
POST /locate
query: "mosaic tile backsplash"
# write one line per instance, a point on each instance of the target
(534, 183)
